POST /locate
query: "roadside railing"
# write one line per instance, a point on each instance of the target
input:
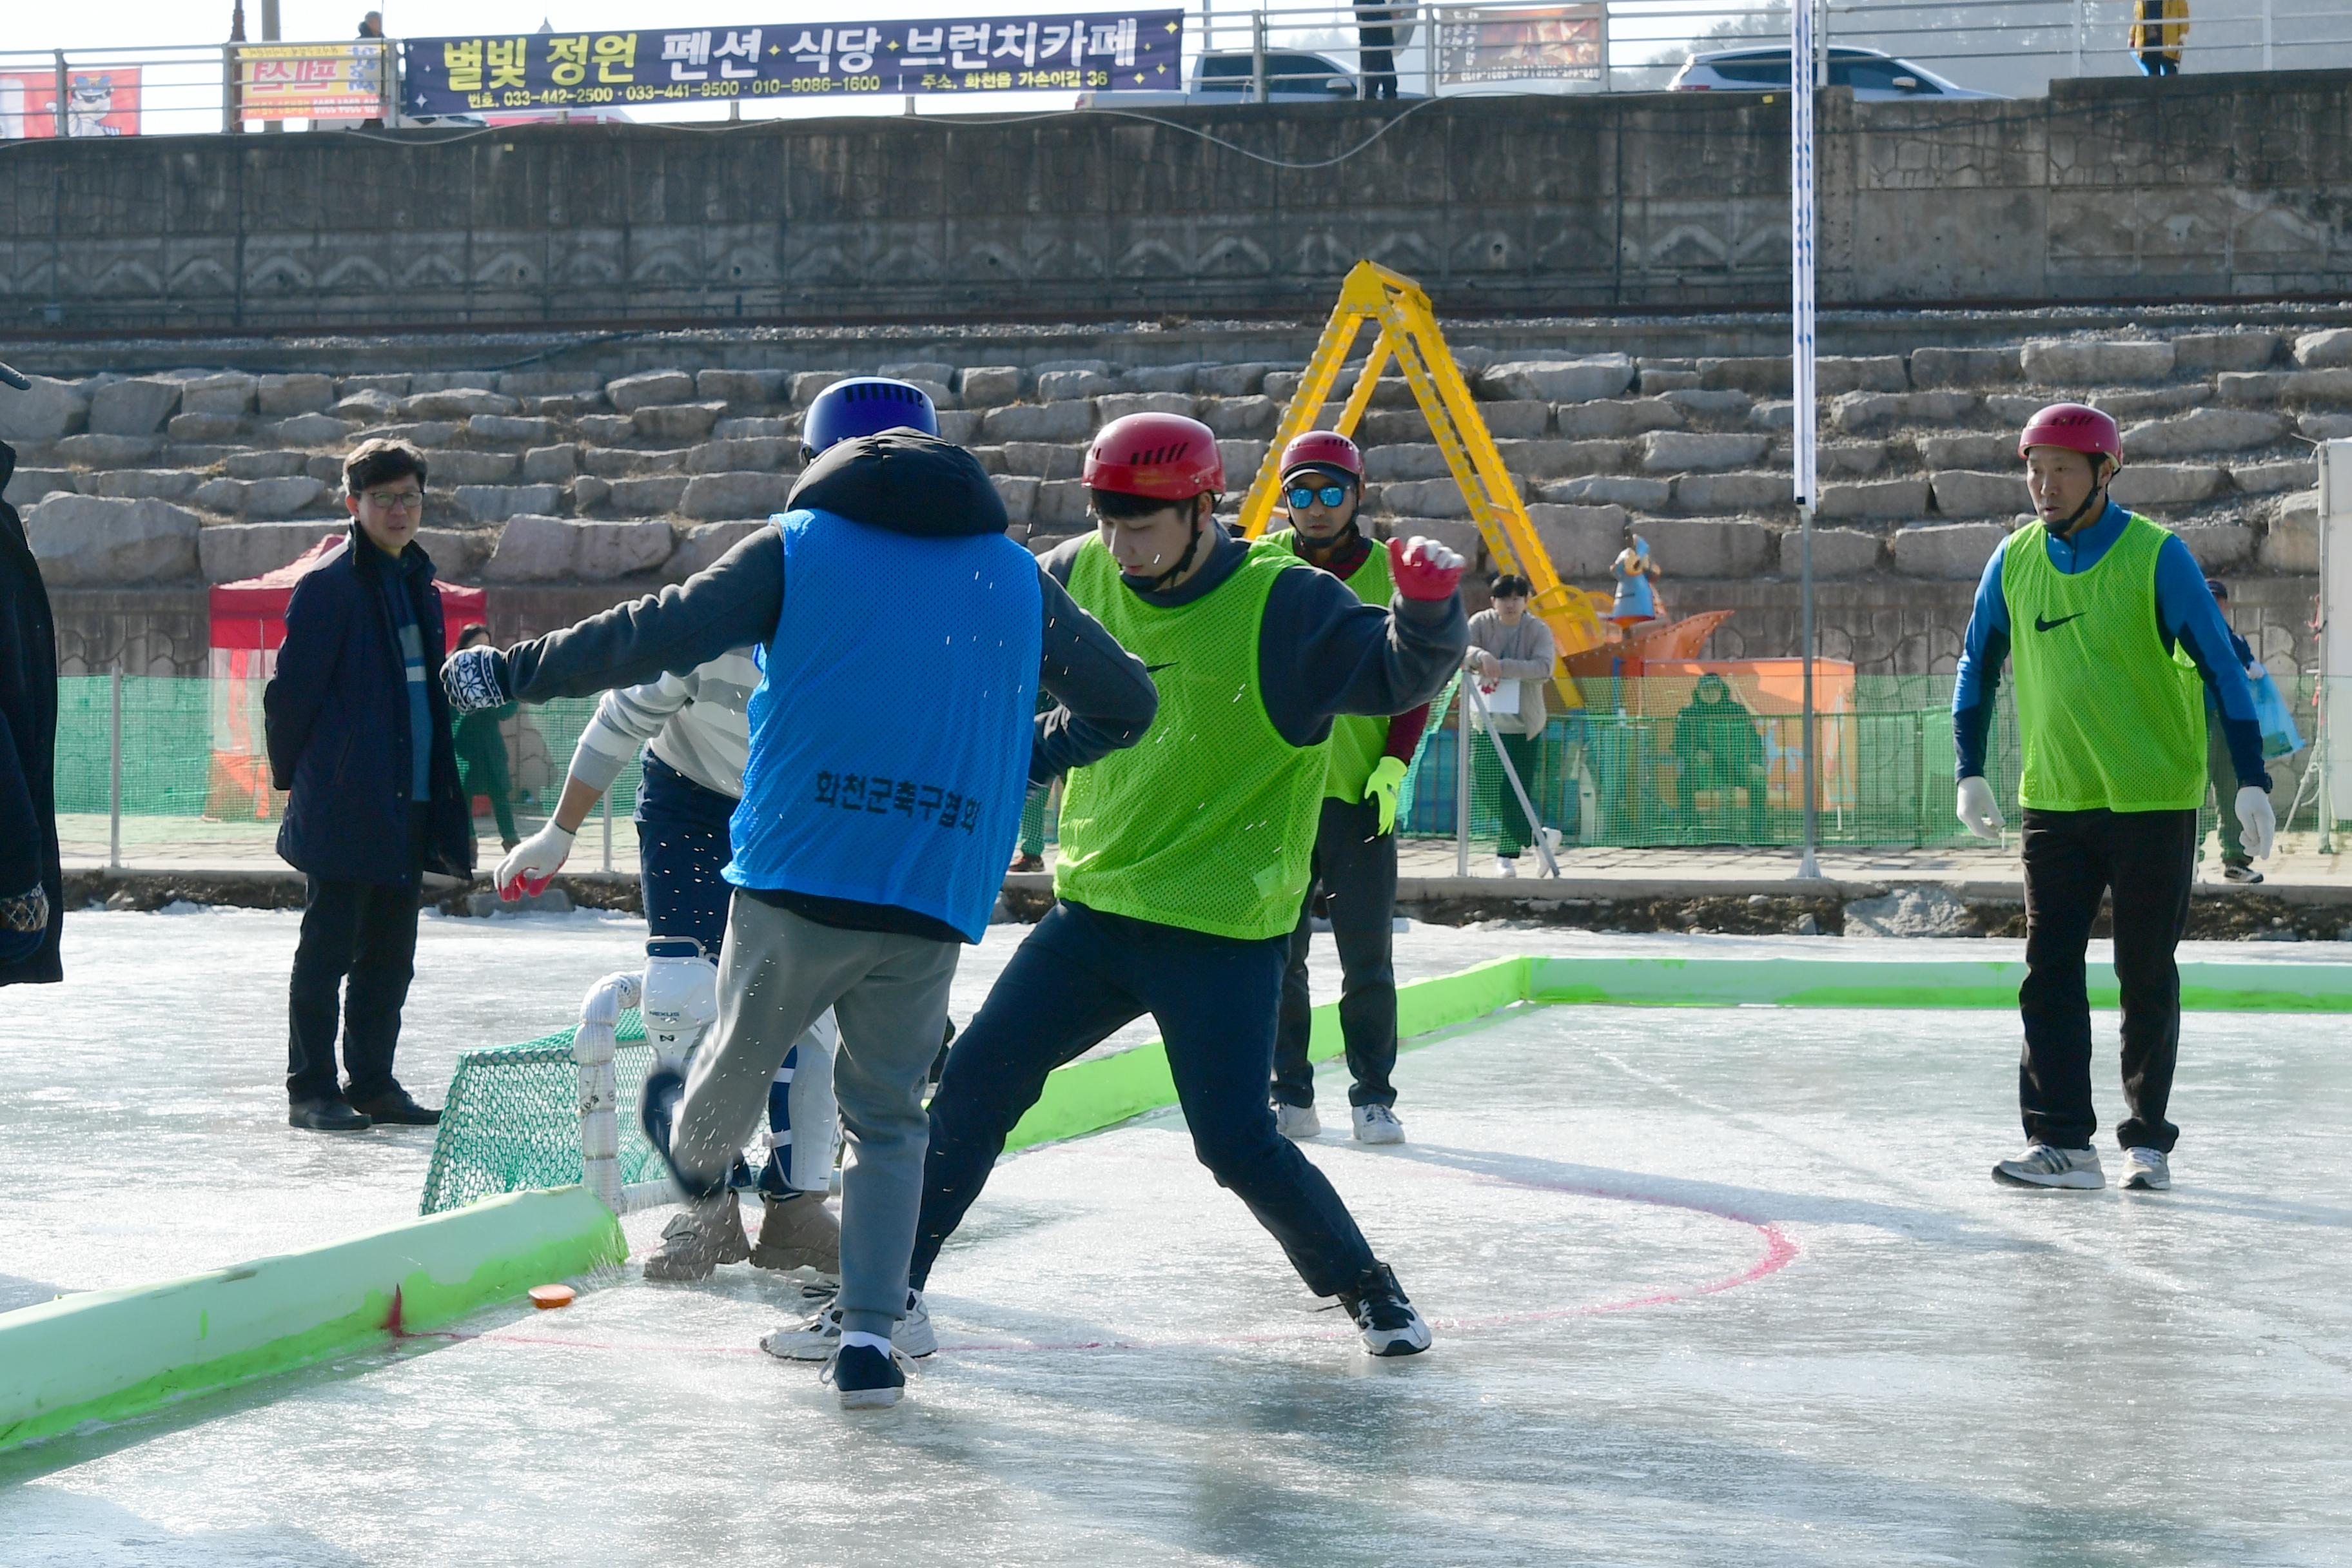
(1222, 53)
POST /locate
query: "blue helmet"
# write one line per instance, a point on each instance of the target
(865, 406)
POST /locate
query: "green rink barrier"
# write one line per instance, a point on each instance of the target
(2216, 987)
(1087, 1096)
(103, 1355)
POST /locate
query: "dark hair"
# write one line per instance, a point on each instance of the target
(470, 630)
(376, 462)
(1118, 506)
(1509, 585)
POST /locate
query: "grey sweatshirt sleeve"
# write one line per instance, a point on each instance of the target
(1323, 652)
(734, 602)
(1106, 696)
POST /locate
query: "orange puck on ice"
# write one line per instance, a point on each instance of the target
(544, 1296)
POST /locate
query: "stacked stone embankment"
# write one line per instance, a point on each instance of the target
(560, 478)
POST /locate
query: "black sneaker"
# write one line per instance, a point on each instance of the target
(328, 1113)
(395, 1107)
(865, 1378)
(1386, 1320)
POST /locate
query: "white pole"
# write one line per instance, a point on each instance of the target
(114, 791)
(1461, 777)
(608, 830)
(1801, 364)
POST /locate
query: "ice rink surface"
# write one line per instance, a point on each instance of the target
(1709, 1286)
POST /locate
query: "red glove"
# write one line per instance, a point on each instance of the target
(1424, 569)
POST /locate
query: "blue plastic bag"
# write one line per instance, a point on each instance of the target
(2280, 737)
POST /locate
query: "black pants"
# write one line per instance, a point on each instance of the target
(2146, 859)
(1082, 974)
(1376, 61)
(1355, 865)
(366, 931)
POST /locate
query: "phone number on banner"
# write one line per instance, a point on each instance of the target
(1099, 52)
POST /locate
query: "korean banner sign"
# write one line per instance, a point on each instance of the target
(1099, 52)
(310, 81)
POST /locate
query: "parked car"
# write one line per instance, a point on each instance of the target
(1230, 76)
(1875, 78)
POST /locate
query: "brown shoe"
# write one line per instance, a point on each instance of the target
(1026, 863)
(699, 1240)
(798, 1232)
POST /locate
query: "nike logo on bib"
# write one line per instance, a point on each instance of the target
(2042, 626)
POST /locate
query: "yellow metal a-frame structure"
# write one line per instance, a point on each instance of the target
(1409, 335)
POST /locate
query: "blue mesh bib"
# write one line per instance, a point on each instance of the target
(890, 735)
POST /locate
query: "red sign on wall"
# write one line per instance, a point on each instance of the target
(99, 102)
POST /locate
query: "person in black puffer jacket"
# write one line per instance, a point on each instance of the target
(359, 735)
(31, 883)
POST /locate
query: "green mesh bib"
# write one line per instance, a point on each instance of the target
(1358, 740)
(2105, 717)
(1208, 822)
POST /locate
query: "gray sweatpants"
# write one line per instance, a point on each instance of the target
(777, 973)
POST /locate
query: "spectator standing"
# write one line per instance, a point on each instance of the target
(2220, 773)
(32, 888)
(2158, 29)
(482, 753)
(1376, 40)
(1717, 748)
(1508, 644)
(360, 738)
(372, 24)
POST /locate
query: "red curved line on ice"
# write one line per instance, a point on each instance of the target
(1780, 1251)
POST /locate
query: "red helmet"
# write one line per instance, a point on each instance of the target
(2075, 427)
(1322, 449)
(1163, 456)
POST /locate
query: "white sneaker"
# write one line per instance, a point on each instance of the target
(820, 1337)
(1378, 1124)
(2044, 1166)
(2146, 1171)
(1506, 866)
(1296, 1122)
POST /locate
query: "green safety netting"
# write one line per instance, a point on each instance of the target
(193, 747)
(511, 1119)
(1620, 771)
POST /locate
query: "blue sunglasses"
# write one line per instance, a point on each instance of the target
(1307, 495)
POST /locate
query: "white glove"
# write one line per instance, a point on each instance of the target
(530, 865)
(2259, 823)
(1978, 812)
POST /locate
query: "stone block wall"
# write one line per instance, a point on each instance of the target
(581, 487)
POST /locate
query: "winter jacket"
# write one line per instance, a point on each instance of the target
(337, 712)
(28, 738)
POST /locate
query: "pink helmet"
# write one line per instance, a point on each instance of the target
(2075, 427)
(1164, 456)
(1322, 449)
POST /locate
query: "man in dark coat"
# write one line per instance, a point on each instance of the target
(359, 733)
(31, 889)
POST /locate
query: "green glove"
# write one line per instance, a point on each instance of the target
(1388, 777)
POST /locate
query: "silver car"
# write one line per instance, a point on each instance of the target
(1874, 77)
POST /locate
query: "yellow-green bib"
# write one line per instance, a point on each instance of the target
(1358, 740)
(2105, 718)
(1208, 822)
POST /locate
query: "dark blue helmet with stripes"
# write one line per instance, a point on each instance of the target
(866, 405)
